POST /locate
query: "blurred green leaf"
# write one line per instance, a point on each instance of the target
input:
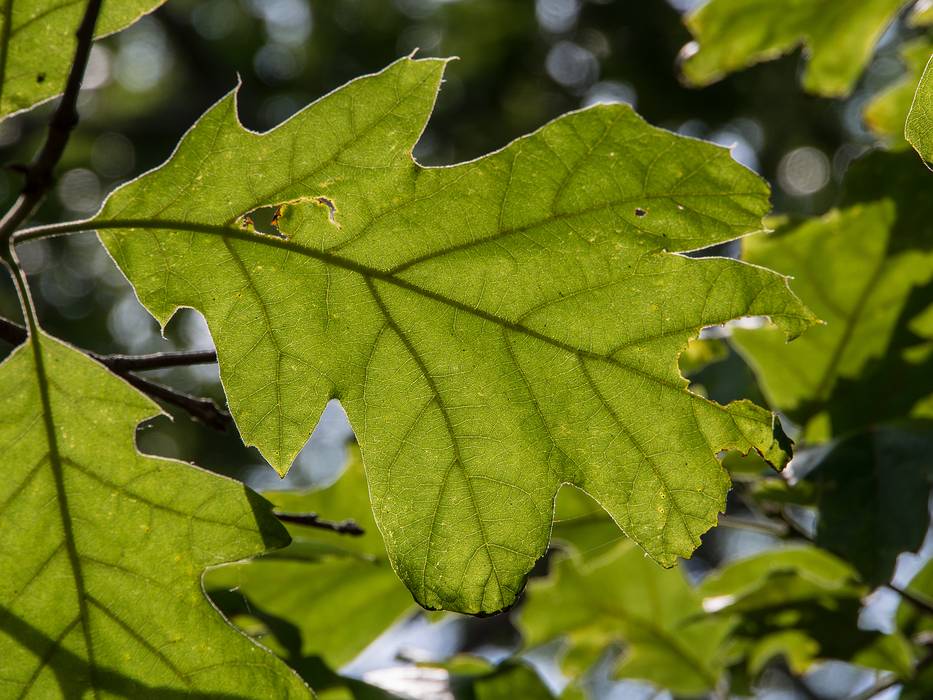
(582, 526)
(623, 597)
(866, 270)
(922, 14)
(700, 353)
(886, 114)
(474, 678)
(910, 619)
(100, 590)
(799, 603)
(839, 36)
(338, 591)
(873, 497)
(37, 44)
(493, 329)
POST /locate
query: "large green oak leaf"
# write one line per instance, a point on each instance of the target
(493, 329)
(839, 35)
(102, 548)
(37, 44)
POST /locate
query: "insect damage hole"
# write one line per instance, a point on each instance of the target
(639, 212)
(331, 209)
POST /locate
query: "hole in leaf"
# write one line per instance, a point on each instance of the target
(264, 220)
(640, 212)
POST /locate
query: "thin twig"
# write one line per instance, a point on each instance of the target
(767, 527)
(342, 527)
(14, 334)
(11, 332)
(38, 174)
(204, 410)
(156, 360)
(890, 680)
(915, 600)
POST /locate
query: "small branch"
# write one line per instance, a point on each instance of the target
(342, 527)
(156, 360)
(204, 410)
(890, 680)
(923, 605)
(795, 528)
(39, 173)
(767, 527)
(12, 333)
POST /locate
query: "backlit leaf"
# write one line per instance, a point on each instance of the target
(839, 36)
(37, 44)
(102, 548)
(493, 329)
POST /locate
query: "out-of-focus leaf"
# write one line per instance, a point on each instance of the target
(873, 497)
(338, 591)
(919, 130)
(801, 603)
(778, 578)
(494, 329)
(910, 619)
(802, 493)
(922, 14)
(886, 114)
(37, 44)
(866, 270)
(889, 652)
(700, 353)
(581, 525)
(474, 678)
(102, 548)
(839, 36)
(624, 598)
(797, 648)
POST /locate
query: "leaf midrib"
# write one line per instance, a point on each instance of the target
(389, 277)
(57, 465)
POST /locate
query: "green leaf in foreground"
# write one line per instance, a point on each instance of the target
(886, 114)
(624, 598)
(338, 591)
(102, 548)
(37, 44)
(919, 129)
(866, 269)
(839, 36)
(493, 329)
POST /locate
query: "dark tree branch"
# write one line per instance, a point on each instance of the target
(38, 174)
(922, 605)
(204, 410)
(157, 360)
(12, 333)
(342, 527)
